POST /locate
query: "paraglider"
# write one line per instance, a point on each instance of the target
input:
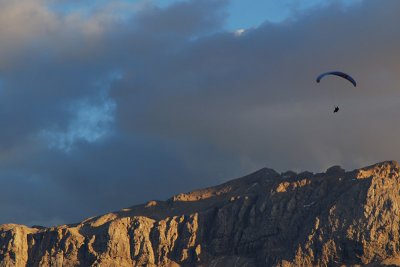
(339, 74)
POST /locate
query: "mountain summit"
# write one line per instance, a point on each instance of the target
(263, 219)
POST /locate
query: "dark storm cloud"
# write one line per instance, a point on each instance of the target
(63, 157)
(254, 95)
(101, 110)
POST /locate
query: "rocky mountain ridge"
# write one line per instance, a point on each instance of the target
(263, 219)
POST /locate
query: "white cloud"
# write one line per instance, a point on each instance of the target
(239, 32)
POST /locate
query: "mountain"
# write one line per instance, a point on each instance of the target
(263, 219)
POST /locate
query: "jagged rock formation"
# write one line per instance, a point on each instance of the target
(264, 219)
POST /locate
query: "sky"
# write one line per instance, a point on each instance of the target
(108, 104)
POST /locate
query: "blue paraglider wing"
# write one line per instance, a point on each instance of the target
(337, 73)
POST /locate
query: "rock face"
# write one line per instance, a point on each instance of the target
(263, 219)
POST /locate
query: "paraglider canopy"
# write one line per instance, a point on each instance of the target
(339, 74)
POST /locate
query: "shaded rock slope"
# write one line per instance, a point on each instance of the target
(335, 218)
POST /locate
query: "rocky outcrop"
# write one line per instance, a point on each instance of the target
(264, 219)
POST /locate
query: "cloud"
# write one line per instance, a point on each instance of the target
(256, 97)
(102, 109)
(91, 123)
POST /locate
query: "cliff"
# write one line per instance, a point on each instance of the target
(263, 219)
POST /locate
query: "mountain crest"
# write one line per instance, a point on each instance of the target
(263, 219)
